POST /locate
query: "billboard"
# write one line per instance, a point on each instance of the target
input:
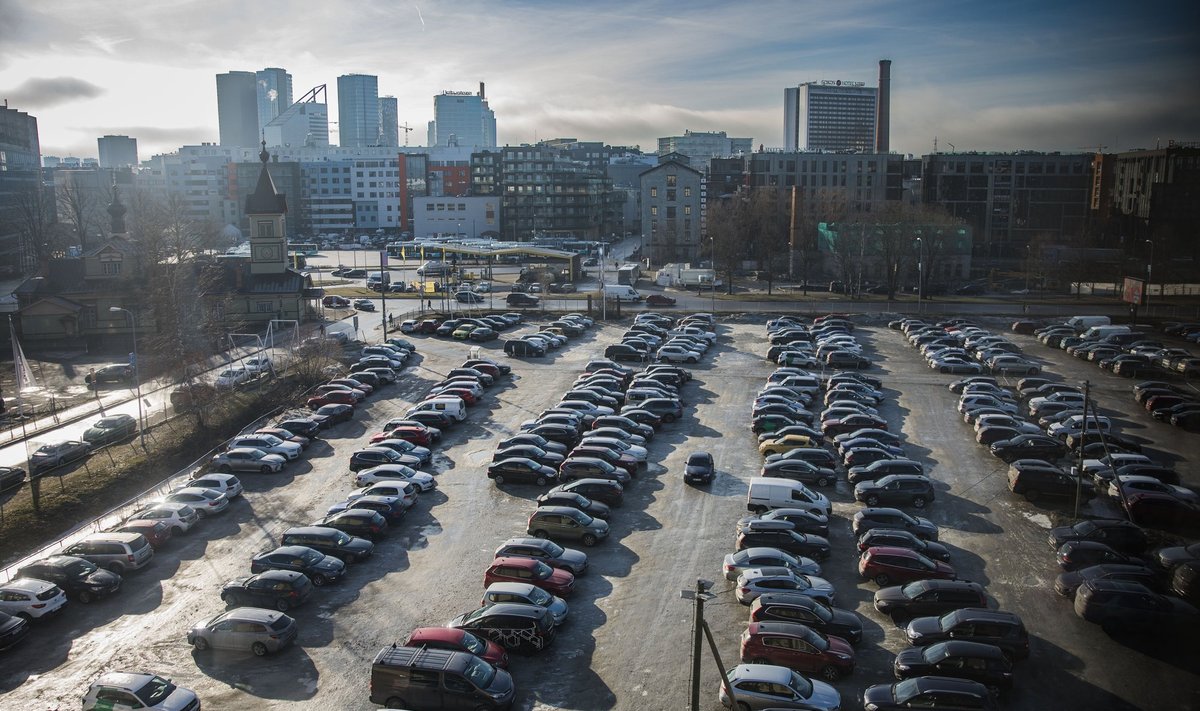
(1131, 293)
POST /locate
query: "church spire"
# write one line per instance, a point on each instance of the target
(265, 200)
(116, 211)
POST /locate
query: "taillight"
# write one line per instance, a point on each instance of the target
(39, 606)
(729, 568)
(129, 558)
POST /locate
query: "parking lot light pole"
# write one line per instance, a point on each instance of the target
(1149, 274)
(920, 278)
(137, 379)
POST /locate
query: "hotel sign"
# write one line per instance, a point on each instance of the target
(839, 82)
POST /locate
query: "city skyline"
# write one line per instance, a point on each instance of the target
(1017, 76)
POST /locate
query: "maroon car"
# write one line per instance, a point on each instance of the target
(333, 397)
(530, 571)
(429, 325)
(889, 565)
(156, 532)
(797, 647)
(659, 300)
(458, 641)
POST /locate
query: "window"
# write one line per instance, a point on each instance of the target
(264, 307)
(671, 181)
(654, 210)
(110, 268)
(653, 192)
(266, 229)
(670, 195)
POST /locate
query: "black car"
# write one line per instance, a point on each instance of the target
(591, 468)
(121, 373)
(800, 519)
(523, 349)
(330, 541)
(529, 451)
(1119, 534)
(799, 470)
(12, 630)
(808, 611)
(942, 692)
(329, 415)
(982, 663)
(318, 567)
(868, 518)
(278, 589)
(573, 500)
(364, 523)
(1037, 478)
(787, 540)
(562, 434)
(1028, 446)
(526, 439)
(79, 578)
(303, 426)
(521, 470)
(11, 477)
(622, 351)
(882, 468)
(107, 430)
(897, 538)
(642, 417)
(896, 490)
(605, 491)
(971, 624)
(929, 597)
(699, 468)
(1067, 583)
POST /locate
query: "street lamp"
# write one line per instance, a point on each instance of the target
(137, 379)
(712, 244)
(920, 277)
(1149, 273)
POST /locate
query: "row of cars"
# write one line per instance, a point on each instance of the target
(961, 348)
(592, 451)
(1134, 354)
(655, 337)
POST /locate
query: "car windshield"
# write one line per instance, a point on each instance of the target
(540, 597)
(110, 422)
(473, 644)
(80, 569)
(541, 571)
(1085, 527)
(311, 557)
(154, 691)
(341, 538)
(480, 673)
(916, 588)
(801, 686)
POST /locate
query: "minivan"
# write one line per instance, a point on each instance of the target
(621, 292)
(1095, 333)
(425, 678)
(772, 493)
(118, 552)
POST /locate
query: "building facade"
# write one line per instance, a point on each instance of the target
(671, 201)
(544, 192)
(829, 116)
(117, 151)
(358, 110)
(21, 189)
(1154, 195)
(702, 146)
(467, 217)
(389, 122)
(303, 124)
(461, 118)
(237, 109)
(859, 183)
(273, 89)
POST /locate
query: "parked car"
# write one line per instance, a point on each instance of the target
(80, 579)
(278, 589)
(887, 565)
(50, 456)
(1067, 583)
(896, 490)
(528, 570)
(111, 429)
(546, 551)
(1002, 629)
(868, 518)
(943, 692)
(753, 582)
(560, 522)
(245, 629)
(766, 686)
(30, 598)
(516, 627)
(318, 567)
(148, 691)
(1131, 607)
(1123, 536)
(797, 647)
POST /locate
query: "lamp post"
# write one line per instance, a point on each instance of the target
(1028, 264)
(712, 245)
(1149, 274)
(137, 380)
(920, 278)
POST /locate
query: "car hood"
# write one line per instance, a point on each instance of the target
(890, 595)
(936, 551)
(837, 645)
(560, 578)
(845, 624)
(820, 585)
(913, 657)
(920, 628)
(1173, 556)
(359, 545)
(1061, 534)
(574, 558)
(330, 563)
(101, 578)
(824, 696)
(879, 694)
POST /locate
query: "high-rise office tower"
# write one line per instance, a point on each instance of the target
(389, 121)
(273, 87)
(461, 118)
(304, 123)
(117, 151)
(237, 109)
(829, 116)
(358, 110)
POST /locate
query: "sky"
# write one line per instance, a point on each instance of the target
(1050, 75)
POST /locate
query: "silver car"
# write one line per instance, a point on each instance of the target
(758, 581)
(526, 594)
(244, 459)
(245, 629)
(206, 501)
(766, 686)
(180, 517)
(226, 484)
(267, 443)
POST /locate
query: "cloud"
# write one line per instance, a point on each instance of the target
(42, 93)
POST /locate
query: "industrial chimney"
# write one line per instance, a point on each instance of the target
(883, 106)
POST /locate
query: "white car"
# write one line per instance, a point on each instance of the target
(393, 472)
(230, 377)
(269, 444)
(676, 354)
(31, 598)
(408, 326)
(257, 364)
(398, 488)
(119, 691)
(226, 484)
(180, 517)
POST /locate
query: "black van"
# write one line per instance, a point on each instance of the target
(424, 678)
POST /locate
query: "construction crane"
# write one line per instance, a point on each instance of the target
(407, 130)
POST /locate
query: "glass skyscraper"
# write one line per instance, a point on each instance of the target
(461, 118)
(358, 110)
(237, 109)
(274, 89)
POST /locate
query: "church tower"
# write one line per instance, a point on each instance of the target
(265, 209)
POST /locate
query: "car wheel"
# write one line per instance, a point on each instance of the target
(668, 418)
(822, 481)
(116, 568)
(200, 644)
(282, 605)
(318, 579)
(830, 673)
(540, 534)
(1032, 494)
(691, 360)
(919, 502)
(225, 469)
(945, 369)
(259, 649)
(881, 579)
(1033, 371)
(499, 478)
(264, 469)
(395, 702)
(85, 597)
(872, 500)
(588, 540)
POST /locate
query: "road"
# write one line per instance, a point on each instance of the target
(626, 643)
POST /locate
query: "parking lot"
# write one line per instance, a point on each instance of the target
(626, 644)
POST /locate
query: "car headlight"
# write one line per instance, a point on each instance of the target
(903, 667)
(843, 657)
(871, 707)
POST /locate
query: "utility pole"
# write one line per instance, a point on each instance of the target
(700, 632)
(1082, 439)
(385, 283)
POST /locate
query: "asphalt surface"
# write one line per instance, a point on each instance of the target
(626, 644)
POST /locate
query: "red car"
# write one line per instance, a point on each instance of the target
(659, 300)
(353, 385)
(467, 396)
(429, 325)
(333, 397)
(415, 435)
(530, 571)
(888, 565)
(458, 641)
(797, 647)
(156, 532)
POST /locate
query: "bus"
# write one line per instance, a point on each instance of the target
(304, 248)
(629, 274)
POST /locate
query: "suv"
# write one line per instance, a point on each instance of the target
(422, 677)
(568, 559)
(929, 597)
(1128, 606)
(518, 299)
(120, 373)
(1003, 629)
(118, 552)
(941, 692)
(605, 491)
(810, 612)
(564, 522)
(982, 663)
(330, 541)
(868, 518)
(782, 535)
(520, 348)
(896, 489)
(886, 565)
(79, 578)
(135, 691)
(1035, 478)
(797, 647)
(881, 468)
(514, 626)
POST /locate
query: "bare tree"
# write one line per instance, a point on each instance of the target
(33, 220)
(78, 205)
(767, 217)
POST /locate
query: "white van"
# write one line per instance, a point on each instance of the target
(1095, 333)
(453, 406)
(1083, 323)
(377, 278)
(769, 493)
(621, 292)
